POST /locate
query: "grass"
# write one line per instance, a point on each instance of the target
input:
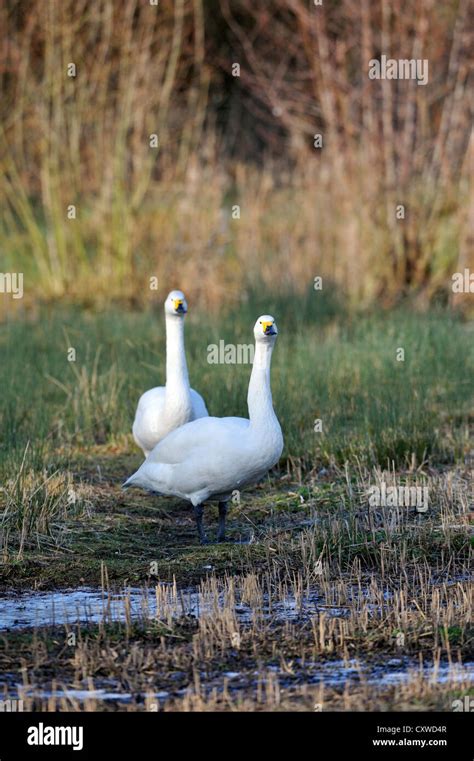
(343, 371)
(308, 528)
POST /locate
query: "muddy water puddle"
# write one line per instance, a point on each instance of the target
(338, 673)
(90, 606)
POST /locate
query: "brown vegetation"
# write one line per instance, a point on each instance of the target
(224, 140)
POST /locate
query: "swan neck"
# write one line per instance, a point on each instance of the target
(259, 397)
(176, 368)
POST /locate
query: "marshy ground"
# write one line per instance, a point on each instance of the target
(157, 165)
(318, 601)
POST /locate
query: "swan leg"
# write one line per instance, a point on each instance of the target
(222, 515)
(198, 513)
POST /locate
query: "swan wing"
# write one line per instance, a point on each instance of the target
(150, 410)
(204, 436)
(199, 406)
(201, 458)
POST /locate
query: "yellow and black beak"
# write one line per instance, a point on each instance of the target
(179, 306)
(268, 328)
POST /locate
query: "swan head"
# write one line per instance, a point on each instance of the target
(176, 304)
(265, 329)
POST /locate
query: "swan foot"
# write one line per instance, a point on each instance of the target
(222, 515)
(198, 512)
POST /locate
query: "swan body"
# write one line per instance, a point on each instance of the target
(209, 458)
(153, 419)
(164, 408)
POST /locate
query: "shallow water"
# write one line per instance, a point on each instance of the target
(88, 605)
(36, 609)
(84, 604)
(93, 606)
(333, 673)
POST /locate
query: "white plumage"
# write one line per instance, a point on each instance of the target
(208, 459)
(164, 408)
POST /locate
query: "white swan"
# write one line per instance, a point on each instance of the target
(164, 408)
(210, 458)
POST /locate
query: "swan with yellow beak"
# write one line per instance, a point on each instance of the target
(164, 408)
(208, 459)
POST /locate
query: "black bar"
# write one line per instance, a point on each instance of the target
(445, 735)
